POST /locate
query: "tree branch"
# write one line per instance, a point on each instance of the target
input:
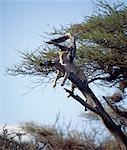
(116, 109)
(82, 102)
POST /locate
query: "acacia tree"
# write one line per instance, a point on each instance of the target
(102, 53)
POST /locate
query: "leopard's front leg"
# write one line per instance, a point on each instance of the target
(58, 75)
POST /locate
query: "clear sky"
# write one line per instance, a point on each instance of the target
(21, 23)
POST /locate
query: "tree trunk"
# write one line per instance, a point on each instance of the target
(114, 129)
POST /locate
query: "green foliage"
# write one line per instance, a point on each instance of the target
(101, 47)
(103, 42)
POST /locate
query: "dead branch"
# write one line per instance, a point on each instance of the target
(81, 101)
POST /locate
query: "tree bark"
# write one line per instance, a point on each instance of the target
(108, 122)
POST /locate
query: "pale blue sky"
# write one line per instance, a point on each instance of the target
(22, 22)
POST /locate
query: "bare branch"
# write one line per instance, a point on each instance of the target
(81, 101)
